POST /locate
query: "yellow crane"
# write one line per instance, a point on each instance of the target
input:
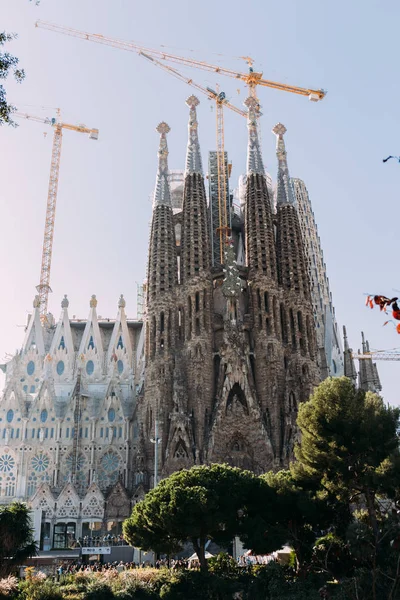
(160, 58)
(252, 78)
(44, 286)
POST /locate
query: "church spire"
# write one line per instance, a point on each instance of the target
(368, 374)
(193, 156)
(195, 245)
(162, 266)
(255, 163)
(292, 264)
(162, 194)
(349, 368)
(284, 190)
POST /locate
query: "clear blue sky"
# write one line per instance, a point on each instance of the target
(103, 212)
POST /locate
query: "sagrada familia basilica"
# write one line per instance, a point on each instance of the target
(214, 372)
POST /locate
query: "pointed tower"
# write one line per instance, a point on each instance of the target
(195, 245)
(193, 316)
(264, 300)
(296, 312)
(260, 243)
(292, 266)
(162, 297)
(368, 375)
(349, 367)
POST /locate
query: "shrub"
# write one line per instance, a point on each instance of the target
(224, 566)
(198, 586)
(98, 590)
(8, 586)
(39, 589)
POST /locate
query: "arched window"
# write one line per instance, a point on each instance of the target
(43, 416)
(90, 367)
(120, 366)
(180, 450)
(30, 368)
(91, 343)
(10, 415)
(61, 344)
(111, 414)
(60, 367)
(120, 344)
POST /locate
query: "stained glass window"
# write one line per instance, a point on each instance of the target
(30, 369)
(111, 414)
(10, 415)
(60, 367)
(90, 367)
(43, 415)
(120, 366)
(7, 463)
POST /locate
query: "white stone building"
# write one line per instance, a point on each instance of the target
(66, 423)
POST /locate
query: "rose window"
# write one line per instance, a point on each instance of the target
(40, 462)
(7, 463)
(110, 462)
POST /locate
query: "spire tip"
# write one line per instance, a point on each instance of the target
(192, 101)
(279, 129)
(163, 128)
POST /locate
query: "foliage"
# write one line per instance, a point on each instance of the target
(8, 586)
(350, 448)
(202, 503)
(8, 66)
(223, 565)
(195, 585)
(349, 441)
(16, 535)
(99, 590)
(37, 588)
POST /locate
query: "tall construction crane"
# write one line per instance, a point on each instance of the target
(160, 58)
(44, 286)
(252, 78)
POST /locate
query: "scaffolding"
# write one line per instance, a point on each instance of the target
(215, 216)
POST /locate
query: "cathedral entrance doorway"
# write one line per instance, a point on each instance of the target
(64, 535)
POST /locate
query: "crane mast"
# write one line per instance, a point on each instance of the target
(44, 286)
(47, 252)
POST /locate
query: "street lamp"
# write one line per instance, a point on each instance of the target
(155, 441)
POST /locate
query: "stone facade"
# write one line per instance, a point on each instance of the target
(230, 352)
(328, 337)
(66, 420)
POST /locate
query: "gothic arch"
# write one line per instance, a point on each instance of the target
(180, 450)
(236, 403)
(239, 453)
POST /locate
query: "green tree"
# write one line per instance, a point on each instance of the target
(16, 537)
(8, 66)
(349, 444)
(198, 504)
(304, 512)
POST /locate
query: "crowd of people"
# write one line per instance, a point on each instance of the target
(105, 540)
